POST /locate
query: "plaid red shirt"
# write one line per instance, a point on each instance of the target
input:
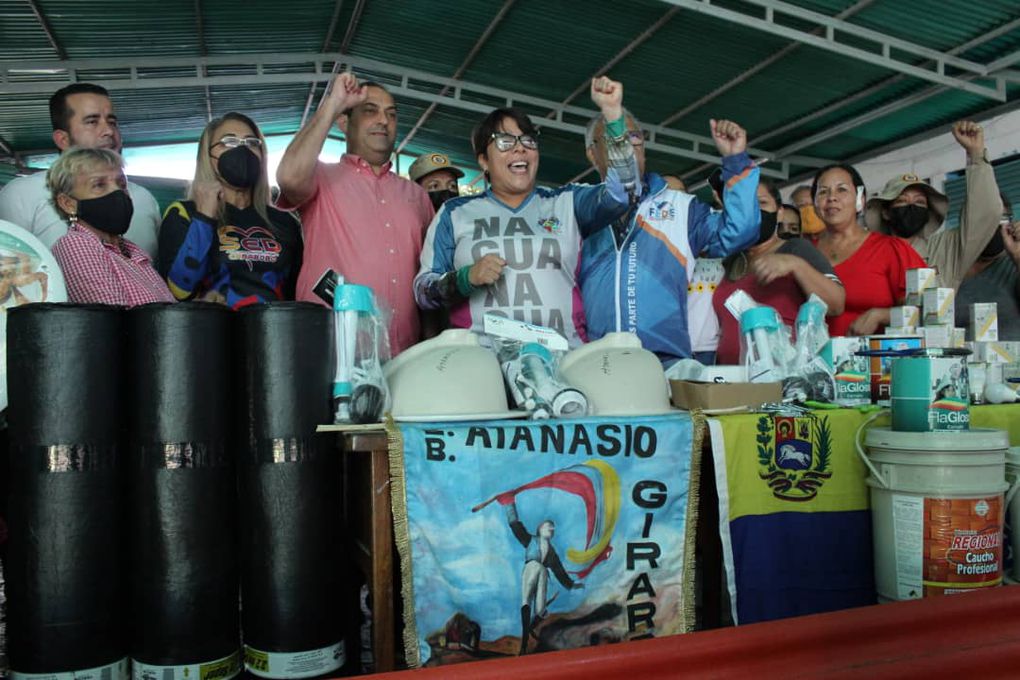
(99, 272)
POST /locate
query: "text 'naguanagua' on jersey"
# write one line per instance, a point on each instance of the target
(525, 258)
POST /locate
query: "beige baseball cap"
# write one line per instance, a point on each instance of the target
(430, 162)
(938, 204)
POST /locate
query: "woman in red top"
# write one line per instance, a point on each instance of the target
(872, 266)
(775, 272)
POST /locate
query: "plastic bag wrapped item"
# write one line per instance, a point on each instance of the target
(532, 375)
(360, 393)
(809, 365)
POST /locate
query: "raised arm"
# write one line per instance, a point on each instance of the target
(296, 173)
(724, 233)
(597, 206)
(982, 207)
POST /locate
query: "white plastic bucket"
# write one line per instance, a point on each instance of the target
(1013, 511)
(937, 510)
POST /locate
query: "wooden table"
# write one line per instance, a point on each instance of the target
(369, 517)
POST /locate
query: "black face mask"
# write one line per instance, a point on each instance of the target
(442, 196)
(768, 226)
(240, 167)
(787, 235)
(110, 213)
(907, 220)
(994, 247)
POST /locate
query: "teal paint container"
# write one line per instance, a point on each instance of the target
(930, 394)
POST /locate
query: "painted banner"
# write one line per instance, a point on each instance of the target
(529, 536)
(794, 515)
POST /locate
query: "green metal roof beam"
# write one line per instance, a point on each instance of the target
(768, 24)
(756, 69)
(455, 97)
(472, 53)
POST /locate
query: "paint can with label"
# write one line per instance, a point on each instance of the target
(930, 393)
(937, 510)
(881, 365)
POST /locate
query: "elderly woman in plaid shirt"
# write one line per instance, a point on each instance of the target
(99, 264)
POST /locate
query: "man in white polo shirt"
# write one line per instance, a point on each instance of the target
(82, 115)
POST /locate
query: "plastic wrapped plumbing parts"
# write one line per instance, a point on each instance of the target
(65, 561)
(182, 493)
(292, 574)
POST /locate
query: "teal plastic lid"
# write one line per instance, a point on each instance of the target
(538, 350)
(353, 297)
(811, 312)
(759, 317)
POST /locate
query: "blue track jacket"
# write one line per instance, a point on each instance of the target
(641, 287)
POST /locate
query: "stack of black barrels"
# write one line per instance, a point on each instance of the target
(172, 509)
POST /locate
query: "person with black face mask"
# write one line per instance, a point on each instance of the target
(434, 173)
(912, 209)
(995, 277)
(100, 266)
(226, 243)
(775, 272)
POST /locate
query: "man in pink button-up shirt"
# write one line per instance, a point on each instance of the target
(359, 218)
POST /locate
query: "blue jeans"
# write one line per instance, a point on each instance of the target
(706, 358)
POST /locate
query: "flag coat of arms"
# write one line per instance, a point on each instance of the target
(521, 537)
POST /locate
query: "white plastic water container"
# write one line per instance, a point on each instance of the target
(937, 509)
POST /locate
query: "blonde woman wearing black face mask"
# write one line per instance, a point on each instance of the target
(226, 243)
(89, 189)
(912, 209)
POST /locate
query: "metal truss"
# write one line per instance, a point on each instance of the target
(891, 53)
(290, 69)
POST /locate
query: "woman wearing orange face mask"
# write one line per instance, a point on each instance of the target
(810, 223)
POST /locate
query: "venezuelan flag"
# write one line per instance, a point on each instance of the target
(794, 514)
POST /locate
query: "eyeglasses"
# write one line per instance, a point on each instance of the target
(233, 141)
(506, 141)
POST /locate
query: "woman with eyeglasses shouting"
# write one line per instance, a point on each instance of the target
(226, 243)
(514, 250)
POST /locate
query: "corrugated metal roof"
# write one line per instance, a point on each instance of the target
(679, 72)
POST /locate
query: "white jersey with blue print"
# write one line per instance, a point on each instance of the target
(540, 241)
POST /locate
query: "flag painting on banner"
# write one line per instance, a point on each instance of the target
(521, 537)
(794, 515)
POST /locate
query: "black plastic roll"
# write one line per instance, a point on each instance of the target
(66, 600)
(292, 575)
(183, 493)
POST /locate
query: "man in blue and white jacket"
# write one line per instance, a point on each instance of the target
(634, 274)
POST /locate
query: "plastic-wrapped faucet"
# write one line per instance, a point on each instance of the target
(808, 362)
(538, 381)
(765, 356)
(360, 394)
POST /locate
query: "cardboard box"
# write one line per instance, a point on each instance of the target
(850, 371)
(907, 316)
(995, 352)
(694, 394)
(906, 330)
(984, 321)
(939, 306)
(937, 336)
(959, 338)
(918, 280)
(881, 371)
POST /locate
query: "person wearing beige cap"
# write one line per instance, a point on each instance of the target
(436, 175)
(911, 208)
